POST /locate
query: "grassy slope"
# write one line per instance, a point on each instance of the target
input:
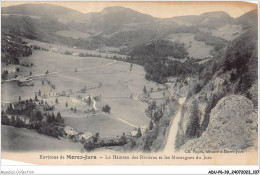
(196, 49)
(17, 139)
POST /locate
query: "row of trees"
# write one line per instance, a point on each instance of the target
(29, 114)
(96, 142)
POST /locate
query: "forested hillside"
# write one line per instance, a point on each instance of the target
(221, 101)
(156, 57)
(12, 47)
(232, 72)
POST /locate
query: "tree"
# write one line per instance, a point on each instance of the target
(131, 66)
(139, 133)
(5, 120)
(152, 106)
(193, 128)
(12, 120)
(90, 145)
(4, 75)
(52, 116)
(48, 118)
(123, 140)
(106, 109)
(96, 137)
(144, 90)
(151, 125)
(89, 100)
(36, 97)
(59, 118)
(17, 122)
(197, 88)
(39, 116)
(40, 92)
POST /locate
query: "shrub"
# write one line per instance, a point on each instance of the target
(106, 109)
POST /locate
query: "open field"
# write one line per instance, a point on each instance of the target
(228, 32)
(21, 139)
(60, 48)
(106, 125)
(112, 80)
(196, 49)
(73, 34)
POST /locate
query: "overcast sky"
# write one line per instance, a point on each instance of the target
(157, 9)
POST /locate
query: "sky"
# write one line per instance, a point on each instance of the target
(163, 9)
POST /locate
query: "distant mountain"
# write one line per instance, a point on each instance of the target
(113, 26)
(42, 10)
(124, 15)
(209, 19)
(114, 19)
(109, 20)
(248, 19)
(217, 14)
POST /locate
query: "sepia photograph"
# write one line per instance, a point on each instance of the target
(129, 83)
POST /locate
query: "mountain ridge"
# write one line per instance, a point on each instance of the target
(113, 26)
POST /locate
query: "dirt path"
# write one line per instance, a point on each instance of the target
(118, 118)
(170, 142)
(125, 122)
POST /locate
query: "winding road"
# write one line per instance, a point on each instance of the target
(171, 139)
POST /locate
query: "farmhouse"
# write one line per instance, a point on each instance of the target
(143, 129)
(75, 54)
(85, 136)
(70, 131)
(54, 50)
(133, 133)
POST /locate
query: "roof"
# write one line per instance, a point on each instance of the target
(133, 133)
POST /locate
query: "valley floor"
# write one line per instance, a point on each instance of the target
(112, 80)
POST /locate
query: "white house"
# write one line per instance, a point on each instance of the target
(70, 131)
(85, 136)
(75, 54)
(143, 129)
(133, 133)
(54, 50)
